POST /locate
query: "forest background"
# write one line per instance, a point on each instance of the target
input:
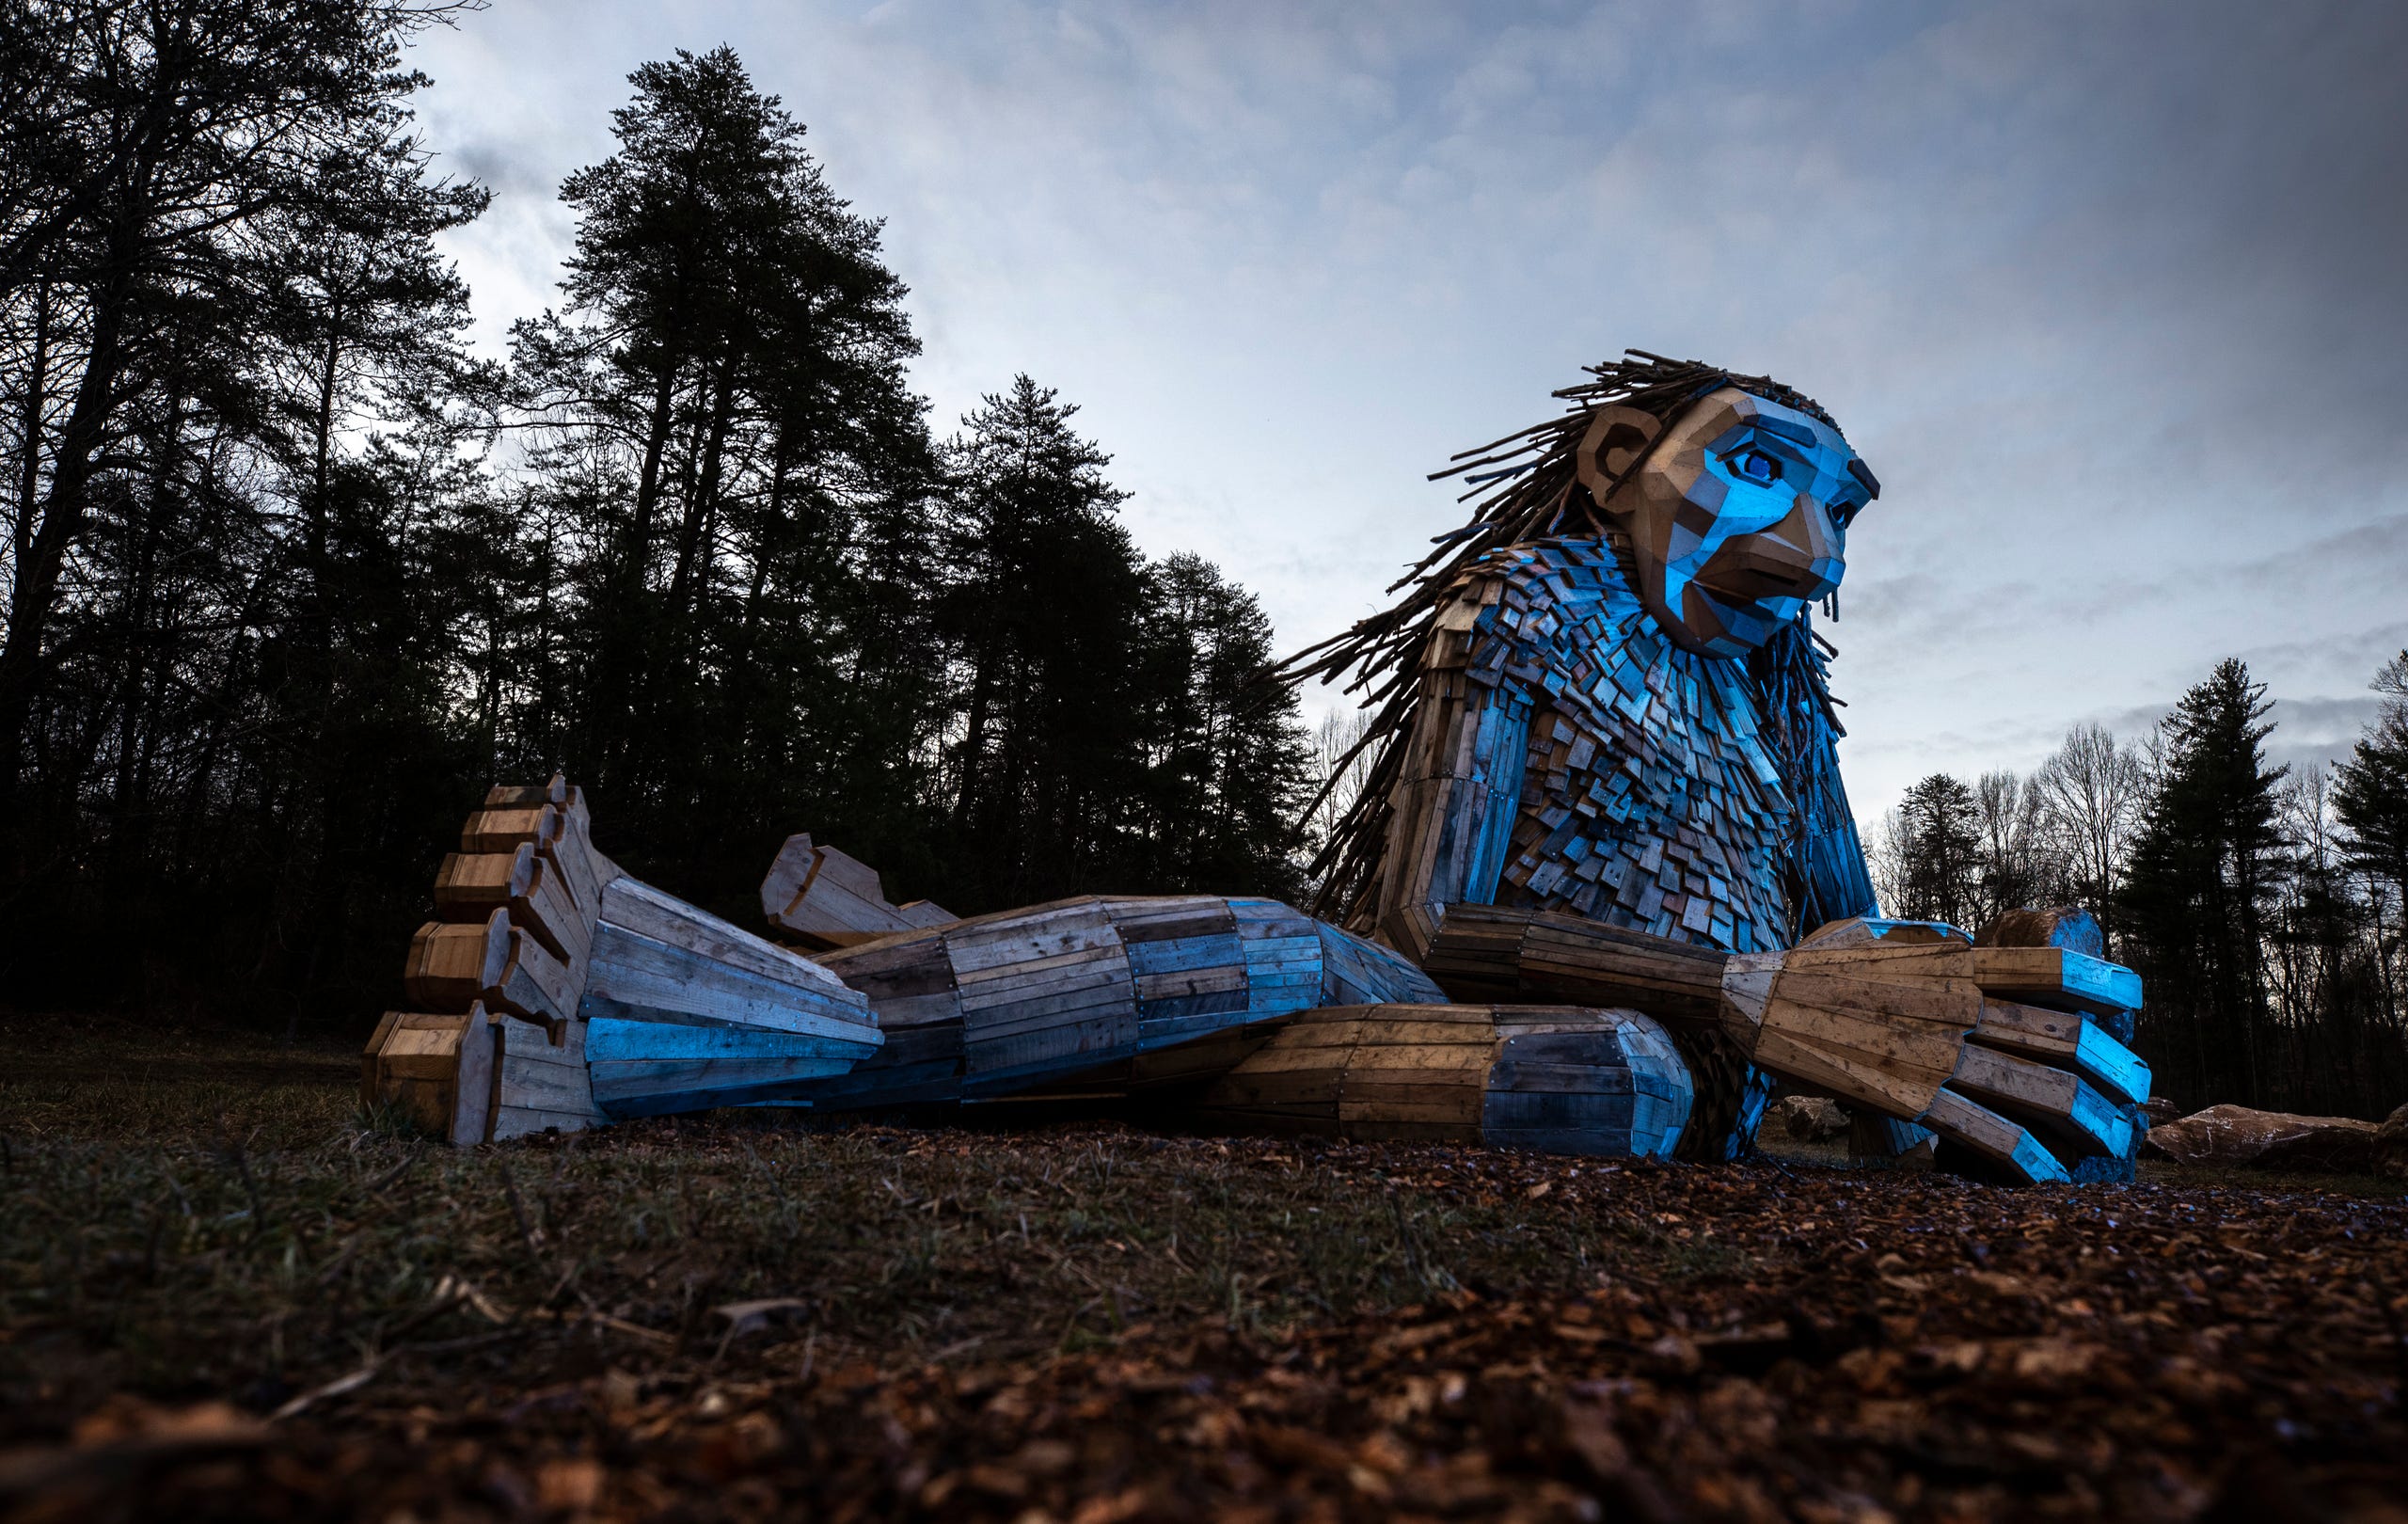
(291, 576)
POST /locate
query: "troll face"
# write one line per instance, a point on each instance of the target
(1737, 508)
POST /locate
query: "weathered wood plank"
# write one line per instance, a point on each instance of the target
(1176, 955)
(1986, 1132)
(1067, 970)
(452, 965)
(1159, 1031)
(638, 907)
(541, 1074)
(1027, 936)
(1356, 972)
(994, 1063)
(631, 976)
(505, 829)
(2053, 1099)
(1226, 1006)
(440, 1069)
(527, 796)
(833, 899)
(635, 1088)
(2061, 1038)
(533, 984)
(529, 1121)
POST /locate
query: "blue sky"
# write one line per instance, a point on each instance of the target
(2112, 296)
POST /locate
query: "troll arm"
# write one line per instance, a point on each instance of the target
(1459, 783)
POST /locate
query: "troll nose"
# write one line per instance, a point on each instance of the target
(1797, 557)
(1821, 562)
(1818, 537)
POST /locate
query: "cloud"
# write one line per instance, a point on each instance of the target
(2110, 295)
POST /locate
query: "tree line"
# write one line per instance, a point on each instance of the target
(2266, 911)
(290, 574)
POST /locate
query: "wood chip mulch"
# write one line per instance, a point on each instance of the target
(1896, 1348)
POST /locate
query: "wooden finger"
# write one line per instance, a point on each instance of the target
(502, 828)
(830, 899)
(452, 965)
(1986, 1132)
(533, 985)
(583, 870)
(2055, 1100)
(2056, 977)
(471, 885)
(438, 1067)
(1875, 1026)
(521, 796)
(2066, 1039)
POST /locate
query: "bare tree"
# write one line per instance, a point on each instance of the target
(2307, 818)
(2092, 790)
(1342, 766)
(2022, 860)
(1885, 861)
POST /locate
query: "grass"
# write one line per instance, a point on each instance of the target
(182, 1212)
(200, 1231)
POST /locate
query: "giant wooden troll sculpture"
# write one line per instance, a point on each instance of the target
(1603, 881)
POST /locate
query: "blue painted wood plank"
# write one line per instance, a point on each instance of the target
(1223, 949)
(1501, 754)
(1215, 1002)
(617, 1037)
(1169, 1031)
(621, 1076)
(2115, 1069)
(654, 1088)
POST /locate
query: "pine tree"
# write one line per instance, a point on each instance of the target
(1043, 609)
(2370, 790)
(291, 580)
(744, 488)
(155, 153)
(2370, 804)
(217, 289)
(1937, 847)
(1230, 763)
(2205, 864)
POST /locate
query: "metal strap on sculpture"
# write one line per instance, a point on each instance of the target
(1603, 881)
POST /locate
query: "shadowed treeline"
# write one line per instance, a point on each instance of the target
(2264, 910)
(290, 578)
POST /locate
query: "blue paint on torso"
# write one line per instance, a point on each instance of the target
(1653, 795)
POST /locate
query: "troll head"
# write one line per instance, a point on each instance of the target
(1731, 506)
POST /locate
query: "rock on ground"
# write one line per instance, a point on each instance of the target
(1808, 1117)
(2230, 1135)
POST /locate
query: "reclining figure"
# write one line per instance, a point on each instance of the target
(1601, 882)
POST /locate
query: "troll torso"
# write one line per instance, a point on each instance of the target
(1602, 696)
(1573, 758)
(1647, 800)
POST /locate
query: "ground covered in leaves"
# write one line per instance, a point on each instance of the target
(224, 1294)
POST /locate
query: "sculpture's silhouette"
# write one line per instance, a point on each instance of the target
(1604, 799)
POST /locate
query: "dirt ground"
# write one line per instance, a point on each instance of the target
(225, 1294)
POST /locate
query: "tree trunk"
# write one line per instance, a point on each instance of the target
(699, 507)
(63, 516)
(655, 444)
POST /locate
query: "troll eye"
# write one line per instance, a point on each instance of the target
(1758, 466)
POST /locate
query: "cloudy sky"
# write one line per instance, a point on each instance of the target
(2113, 296)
